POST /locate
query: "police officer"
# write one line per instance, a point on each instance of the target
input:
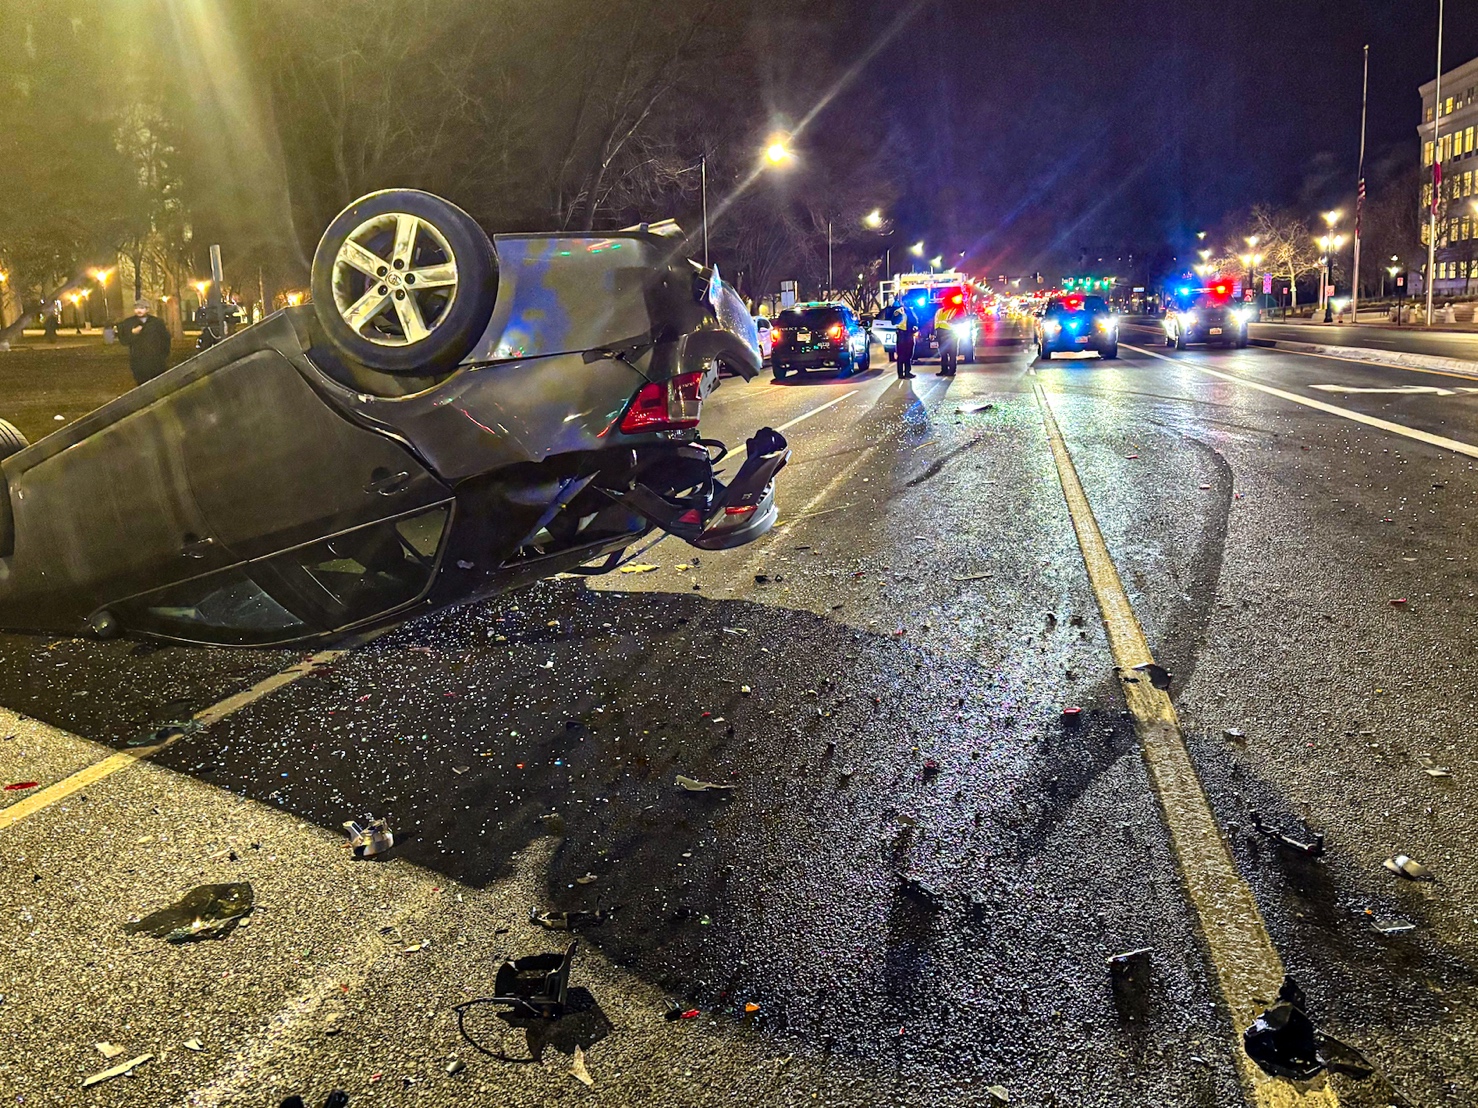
(903, 350)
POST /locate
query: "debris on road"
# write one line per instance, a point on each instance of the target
(1394, 926)
(1431, 768)
(693, 785)
(568, 921)
(20, 785)
(587, 879)
(1405, 866)
(578, 1070)
(1398, 602)
(973, 577)
(117, 1071)
(460, 769)
(1130, 966)
(638, 567)
(972, 409)
(374, 837)
(205, 912)
(1284, 1042)
(336, 1099)
(1072, 715)
(193, 1044)
(536, 985)
(1236, 734)
(455, 1066)
(918, 890)
(999, 1094)
(1312, 849)
(167, 733)
(108, 1050)
(1159, 676)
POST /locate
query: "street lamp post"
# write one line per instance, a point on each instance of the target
(1331, 243)
(703, 188)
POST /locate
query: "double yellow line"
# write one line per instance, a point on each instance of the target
(1247, 965)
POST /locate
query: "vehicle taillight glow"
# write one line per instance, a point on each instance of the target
(739, 509)
(670, 405)
(835, 330)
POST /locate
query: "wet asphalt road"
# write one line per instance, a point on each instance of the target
(923, 598)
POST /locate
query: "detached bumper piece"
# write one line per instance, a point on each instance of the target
(715, 516)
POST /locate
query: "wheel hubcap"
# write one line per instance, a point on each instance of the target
(394, 279)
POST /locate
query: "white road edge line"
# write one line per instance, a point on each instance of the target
(122, 759)
(1439, 441)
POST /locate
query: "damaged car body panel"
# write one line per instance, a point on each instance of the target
(311, 475)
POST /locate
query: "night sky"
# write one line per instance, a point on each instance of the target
(1032, 130)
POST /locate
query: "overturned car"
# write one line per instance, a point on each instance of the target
(451, 417)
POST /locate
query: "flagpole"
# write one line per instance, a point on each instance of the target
(1360, 193)
(1436, 169)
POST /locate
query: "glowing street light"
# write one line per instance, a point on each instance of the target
(917, 250)
(874, 219)
(294, 298)
(778, 152)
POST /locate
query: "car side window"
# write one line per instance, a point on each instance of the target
(368, 571)
(225, 607)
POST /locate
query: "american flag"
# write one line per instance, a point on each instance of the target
(1359, 205)
(1436, 184)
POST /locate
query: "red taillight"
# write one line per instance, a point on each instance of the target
(775, 334)
(665, 405)
(740, 509)
(835, 330)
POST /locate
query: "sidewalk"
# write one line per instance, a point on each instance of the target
(1381, 323)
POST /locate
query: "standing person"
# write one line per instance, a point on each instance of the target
(949, 346)
(147, 339)
(904, 348)
(49, 322)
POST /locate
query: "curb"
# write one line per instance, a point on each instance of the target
(1399, 358)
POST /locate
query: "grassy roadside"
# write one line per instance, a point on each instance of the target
(39, 383)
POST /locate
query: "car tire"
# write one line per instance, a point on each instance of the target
(11, 440)
(779, 372)
(1169, 340)
(442, 235)
(1241, 343)
(1109, 353)
(1180, 340)
(1044, 352)
(866, 362)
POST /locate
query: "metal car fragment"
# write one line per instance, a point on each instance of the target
(693, 785)
(372, 837)
(1314, 848)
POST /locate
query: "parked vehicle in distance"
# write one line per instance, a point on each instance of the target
(884, 328)
(450, 418)
(766, 336)
(819, 335)
(1207, 316)
(1077, 322)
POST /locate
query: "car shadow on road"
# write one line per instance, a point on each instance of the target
(789, 887)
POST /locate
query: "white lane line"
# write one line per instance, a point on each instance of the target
(817, 411)
(1439, 441)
